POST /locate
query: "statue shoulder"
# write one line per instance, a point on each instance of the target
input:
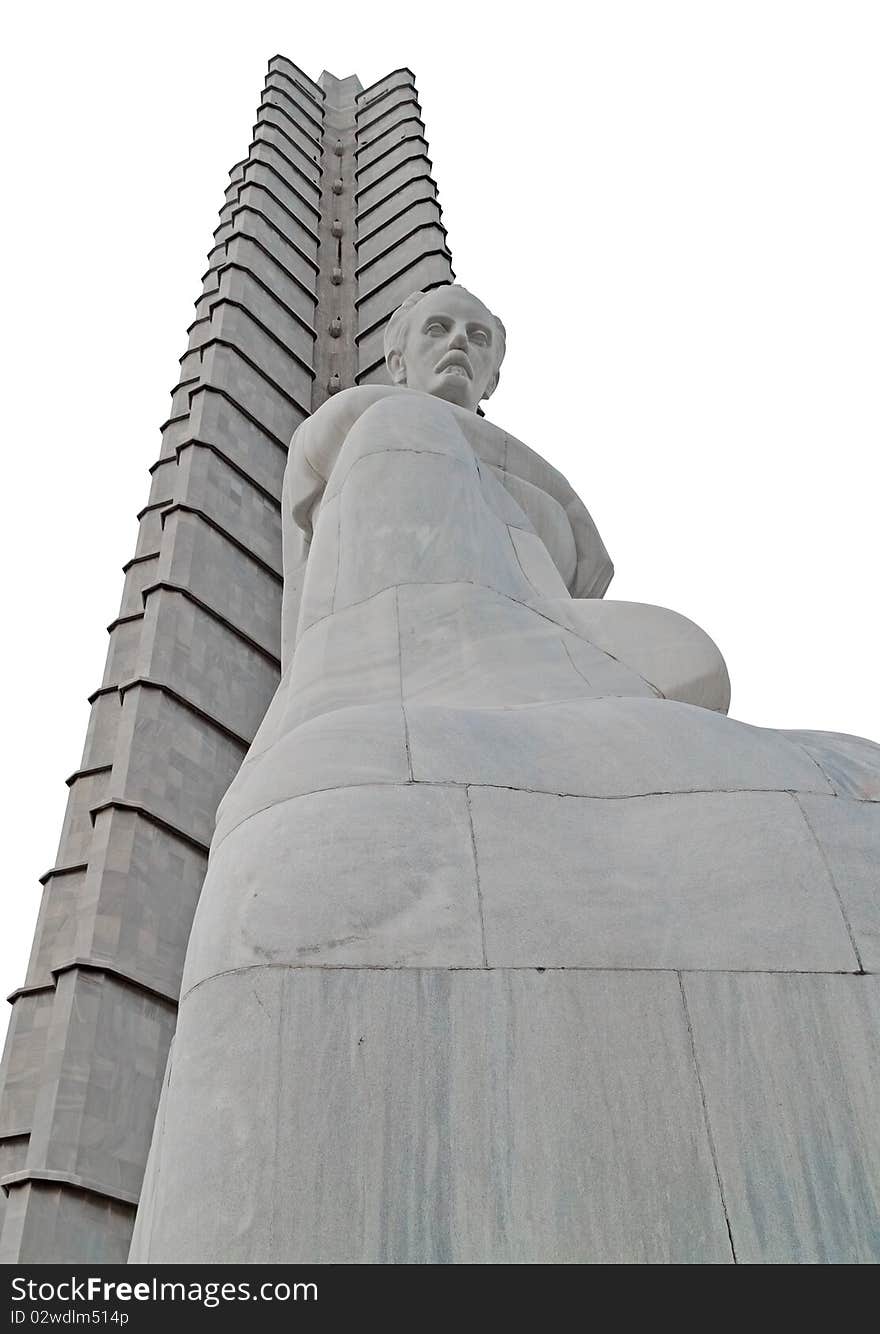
(339, 412)
(315, 448)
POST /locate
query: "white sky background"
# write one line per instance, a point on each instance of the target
(675, 208)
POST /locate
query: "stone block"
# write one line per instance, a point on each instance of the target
(208, 483)
(221, 576)
(849, 833)
(257, 194)
(270, 129)
(423, 272)
(421, 482)
(351, 746)
(23, 1061)
(406, 899)
(344, 659)
(136, 908)
(605, 747)
(850, 763)
(791, 1074)
(393, 153)
(204, 661)
(94, 1114)
(477, 1118)
(513, 499)
(137, 578)
(463, 642)
(219, 421)
(48, 1219)
(707, 880)
(100, 742)
(76, 832)
(272, 407)
(55, 937)
(384, 112)
(171, 762)
(375, 218)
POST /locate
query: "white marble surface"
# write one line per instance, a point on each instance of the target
(432, 1117)
(791, 1075)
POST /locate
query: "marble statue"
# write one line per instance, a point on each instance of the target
(456, 962)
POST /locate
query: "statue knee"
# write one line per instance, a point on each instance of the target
(669, 651)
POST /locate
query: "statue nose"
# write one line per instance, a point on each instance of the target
(458, 340)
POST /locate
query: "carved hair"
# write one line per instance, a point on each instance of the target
(397, 326)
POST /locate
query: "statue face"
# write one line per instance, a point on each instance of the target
(450, 349)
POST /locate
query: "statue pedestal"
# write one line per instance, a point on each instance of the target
(515, 1027)
(516, 1116)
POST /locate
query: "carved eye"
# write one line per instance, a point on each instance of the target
(480, 337)
(434, 329)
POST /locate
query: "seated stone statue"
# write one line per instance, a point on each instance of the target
(665, 649)
(472, 762)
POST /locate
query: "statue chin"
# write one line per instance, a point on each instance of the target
(457, 389)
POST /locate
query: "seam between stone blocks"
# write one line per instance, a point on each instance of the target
(586, 680)
(303, 966)
(375, 454)
(650, 684)
(400, 675)
(447, 583)
(327, 499)
(506, 787)
(332, 611)
(516, 558)
(709, 1135)
(473, 834)
(825, 862)
(800, 745)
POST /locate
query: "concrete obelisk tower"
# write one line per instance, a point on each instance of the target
(329, 222)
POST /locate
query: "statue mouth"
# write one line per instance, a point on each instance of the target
(455, 363)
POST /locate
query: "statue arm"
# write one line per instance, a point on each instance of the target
(535, 484)
(313, 452)
(594, 569)
(667, 650)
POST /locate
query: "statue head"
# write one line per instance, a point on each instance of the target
(447, 343)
